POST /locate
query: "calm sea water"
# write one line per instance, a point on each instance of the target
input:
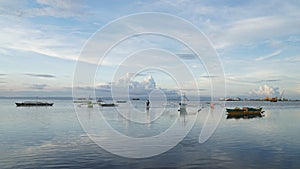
(51, 137)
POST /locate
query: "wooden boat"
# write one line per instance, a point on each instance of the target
(244, 112)
(33, 103)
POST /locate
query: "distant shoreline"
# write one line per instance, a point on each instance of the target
(142, 98)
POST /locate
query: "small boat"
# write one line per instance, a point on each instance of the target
(33, 103)
(135, 98)
(90, 104)
(183, 104)
(245, 112)
(82, 100)
(108, 104)
(121, 101)
(99, 100)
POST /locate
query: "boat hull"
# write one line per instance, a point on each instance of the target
(108, 105)
(33, 104)
(244, 112)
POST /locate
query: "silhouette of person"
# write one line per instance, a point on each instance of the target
(147, 104)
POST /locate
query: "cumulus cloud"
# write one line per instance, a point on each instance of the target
(266, 90)
(135, 87)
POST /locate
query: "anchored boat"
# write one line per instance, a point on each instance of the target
(103, 104)
(245, 112)
(34, 103)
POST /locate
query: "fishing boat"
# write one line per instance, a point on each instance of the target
(108, 104)
(33, 103)
(244, 112)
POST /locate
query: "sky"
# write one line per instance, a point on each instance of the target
(257, 43)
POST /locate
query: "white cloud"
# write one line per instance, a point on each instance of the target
(276, 53)
(148, 83)
(255, 30)
(53, 8)
(135, 87)
(266, 90)
(48, 40)
(58, 8)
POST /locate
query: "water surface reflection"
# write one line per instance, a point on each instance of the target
(53, 138)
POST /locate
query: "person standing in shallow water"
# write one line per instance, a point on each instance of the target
(147, 104)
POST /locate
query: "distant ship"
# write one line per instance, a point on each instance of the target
(34, 103)
(271, 99)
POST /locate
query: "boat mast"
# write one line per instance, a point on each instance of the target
(281, 96)
(184, 99)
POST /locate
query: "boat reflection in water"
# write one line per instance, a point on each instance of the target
(244, 116)
(245, 112)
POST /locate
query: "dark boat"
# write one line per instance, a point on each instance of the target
(245, 112)
(108, 104)
(33, 103)
(135, 98)
(121, 101)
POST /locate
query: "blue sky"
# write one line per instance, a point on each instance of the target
(258, 43)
